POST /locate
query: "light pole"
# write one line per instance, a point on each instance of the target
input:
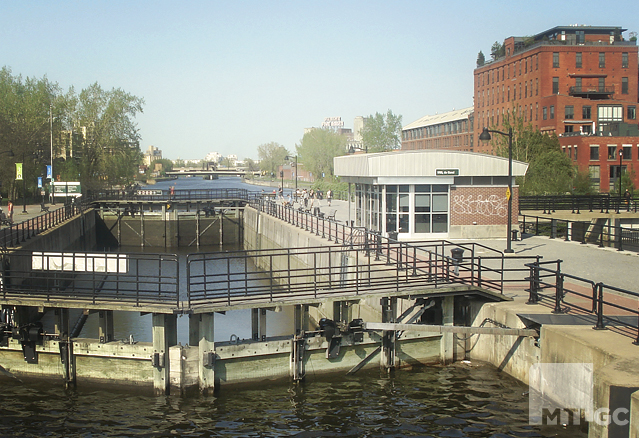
(619, 178)
(485, 136)
(51, 144)
(288, 158)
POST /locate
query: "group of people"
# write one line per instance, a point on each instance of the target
(309, 199)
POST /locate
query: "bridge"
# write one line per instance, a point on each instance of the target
(238, 171)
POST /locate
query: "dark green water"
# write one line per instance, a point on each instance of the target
(452, 401)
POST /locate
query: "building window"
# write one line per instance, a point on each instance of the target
(544, 112)
(632, 112)
(611, 152)
(624, 60)
(581, 36)
(594, 177)
(602, 84)
(555, 85)
(627, 152)
(536, 86)
(575, 156)
(555, 60)
(536, 111)
(586, 112)
(586, 129)
(624, 85)
(594, 153)
(552, 112)
(568, 128)
(602, 60)
(570, 112)
(578, 84)
(526, 89)
(578, 60)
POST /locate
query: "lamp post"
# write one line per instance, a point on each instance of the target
(485, 136)
(288, 158)
(619, 178)
(51, 144)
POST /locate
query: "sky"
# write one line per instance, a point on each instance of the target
(228, 76)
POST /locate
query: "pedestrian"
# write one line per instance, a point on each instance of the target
(628, 197)
(10, 211)
(171, 192)
(329, 196)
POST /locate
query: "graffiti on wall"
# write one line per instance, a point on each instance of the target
(491, 205)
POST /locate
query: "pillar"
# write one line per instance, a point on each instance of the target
(206, 331)
(160, 356)
(389, 314)
(62, 327)
(105, 326)
(447, 339)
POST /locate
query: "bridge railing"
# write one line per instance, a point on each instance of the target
(91, 277)
(151, 194)
(16, 233)
(611, 305)
(600, 233)
(605, 203)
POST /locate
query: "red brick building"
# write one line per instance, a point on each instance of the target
(579, 82)
(452, 130)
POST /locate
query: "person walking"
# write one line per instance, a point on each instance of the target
(10, 211)
(628, 197)
(329, 196)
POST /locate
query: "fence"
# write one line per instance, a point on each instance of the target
(604, 203)
(604, 301)
(600, 232)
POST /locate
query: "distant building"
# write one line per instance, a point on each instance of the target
(452, 130)
(152, 154)
(578, 82)
(213, 157)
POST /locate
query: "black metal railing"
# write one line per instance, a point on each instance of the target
(16, 233)
(124, 279)
(150, 194)
(569, 292)
(600, 232)
(604, 203)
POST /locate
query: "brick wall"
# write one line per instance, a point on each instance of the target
(481, 204)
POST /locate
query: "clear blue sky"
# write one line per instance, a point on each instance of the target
(229, 76)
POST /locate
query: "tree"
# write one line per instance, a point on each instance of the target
(481, 59)
(581, 184)
(317, 150)
(251, 165)
(271, 155)
(550, 171)
(382, 132)
(497, 50)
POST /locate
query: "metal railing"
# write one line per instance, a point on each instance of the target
(150, 194)
(124, 279)
(16, 233)
(600, 232)
(604, 203)
(606, 302)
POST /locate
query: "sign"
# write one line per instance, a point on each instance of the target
(148, 192)
(333, 122)
(79, 262)
(18, 171)
(39, 182)
(66, 188)
(507, 193)
(49, 172)
(447, 172)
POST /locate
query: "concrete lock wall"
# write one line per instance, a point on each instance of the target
(613, 358)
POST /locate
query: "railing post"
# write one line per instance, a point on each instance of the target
(414, 261)
(479, 271)
(553, 228)
(533, 298)
(559, 290)
(600, 324)
(620, 238)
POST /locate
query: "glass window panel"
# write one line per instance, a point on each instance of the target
(440, 188)
(422, 223)
(404, 203)
(422, 203)
(440, 202)
(391, 222)
(404, 188)
(404, 223)
(422, 188)
(440, 223)
(481, 180)
(392, 189)
(391, 202)
(462, 180)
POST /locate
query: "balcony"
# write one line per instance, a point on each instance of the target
(592, 92)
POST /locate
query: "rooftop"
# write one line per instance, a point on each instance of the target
(451, 116)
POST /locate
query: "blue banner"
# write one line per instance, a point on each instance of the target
(49, 174)
(39, 182)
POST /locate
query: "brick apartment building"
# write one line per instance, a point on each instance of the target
(452, 130)
(579, 82)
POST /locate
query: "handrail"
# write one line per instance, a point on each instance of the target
(602, 297)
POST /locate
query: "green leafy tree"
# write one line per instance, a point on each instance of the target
(271, 155)
(481, 59)
(581, 184)
(109, 150)
(251, 165)
(497, 50)
(550, 171)
(382, 132)
(317, 150)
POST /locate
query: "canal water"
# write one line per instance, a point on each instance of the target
(459, 400)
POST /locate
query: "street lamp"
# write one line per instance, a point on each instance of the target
(619, 178)
(288, 158)
(485, 136)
